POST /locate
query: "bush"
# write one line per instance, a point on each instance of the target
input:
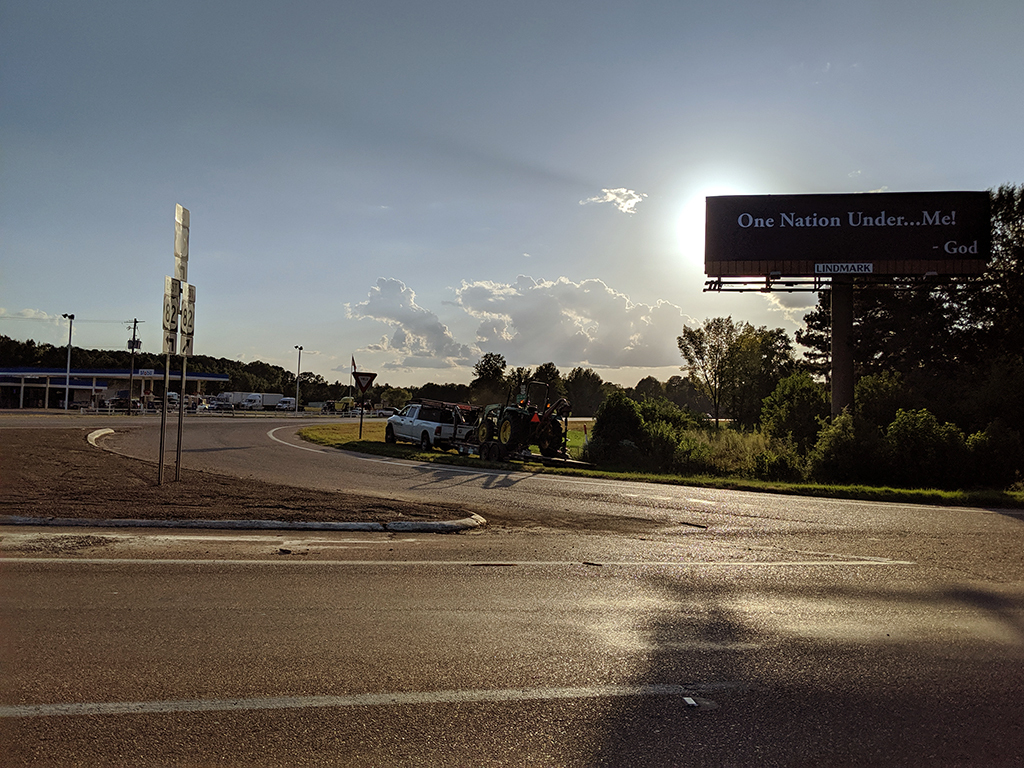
(921, 452)
(837, 456)
(878, 397)
(694, 455)
(997, 456)
(618, 431)
(795, 410)
(780, 462)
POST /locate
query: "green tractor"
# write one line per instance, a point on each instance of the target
(530, 420)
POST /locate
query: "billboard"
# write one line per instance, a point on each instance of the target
(875, 233)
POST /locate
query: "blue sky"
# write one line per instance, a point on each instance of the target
(418, 183)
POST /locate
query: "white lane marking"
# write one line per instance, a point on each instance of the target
(10, 560)
(276, 439)
(360, 700)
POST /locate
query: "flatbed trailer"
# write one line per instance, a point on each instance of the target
(492, 450)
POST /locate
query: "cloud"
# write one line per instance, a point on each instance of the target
(626, 200)
(792, 305)
(419, 339)
(572, 324)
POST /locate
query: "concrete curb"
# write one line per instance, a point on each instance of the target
(401, 526)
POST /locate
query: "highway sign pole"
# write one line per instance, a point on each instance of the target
(177, 296)
(363, 380)
(172, 303)
(181, 420)
(187, 325)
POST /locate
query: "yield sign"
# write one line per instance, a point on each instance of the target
(364, 380)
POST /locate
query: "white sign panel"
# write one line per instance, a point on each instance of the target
(172, 293)
(181, 224)
(188, 318)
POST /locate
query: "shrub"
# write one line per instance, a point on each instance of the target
(878, 397)
(779, 462)
(997, 456)
(795, 410)
(618, 422)
(921, 452)
(694, 455)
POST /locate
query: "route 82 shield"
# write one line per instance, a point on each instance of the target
(172, 300)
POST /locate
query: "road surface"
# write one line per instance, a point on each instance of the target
(729, 628)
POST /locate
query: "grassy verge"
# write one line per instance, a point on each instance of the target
(346, 436)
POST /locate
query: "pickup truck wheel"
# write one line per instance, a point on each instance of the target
(425, 441)
(389, 434)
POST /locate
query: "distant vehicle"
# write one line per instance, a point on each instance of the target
(228, 401)
(285, 404)
(259, 401)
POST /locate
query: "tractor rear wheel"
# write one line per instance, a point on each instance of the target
(508, 432)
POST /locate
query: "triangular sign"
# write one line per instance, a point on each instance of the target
(364, 380)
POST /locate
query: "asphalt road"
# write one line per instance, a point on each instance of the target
(734, 629)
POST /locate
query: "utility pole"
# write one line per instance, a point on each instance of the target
(298, 370)
(67, 378)
(133, 345)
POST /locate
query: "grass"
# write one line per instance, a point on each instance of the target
(346, 436)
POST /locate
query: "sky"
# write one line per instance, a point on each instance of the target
(415, 184)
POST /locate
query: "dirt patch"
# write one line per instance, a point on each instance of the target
(56, 473)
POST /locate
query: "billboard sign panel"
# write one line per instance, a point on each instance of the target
(884, 233)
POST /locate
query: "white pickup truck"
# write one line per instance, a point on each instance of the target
(432, 423)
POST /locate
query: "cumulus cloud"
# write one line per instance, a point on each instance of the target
(586, 323)
(419, 339)
(626, 200)
(792, 305)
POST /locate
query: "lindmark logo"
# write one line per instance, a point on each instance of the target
(843, 269)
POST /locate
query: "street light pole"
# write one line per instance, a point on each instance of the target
(298, 369)
(67, 377)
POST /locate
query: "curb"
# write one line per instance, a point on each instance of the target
(403, 526)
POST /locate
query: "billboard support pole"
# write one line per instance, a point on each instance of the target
(842, 343)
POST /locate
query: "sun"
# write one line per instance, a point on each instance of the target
(690, 224)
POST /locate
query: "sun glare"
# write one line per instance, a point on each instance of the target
(691, 220)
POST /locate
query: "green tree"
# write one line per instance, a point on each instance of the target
(796, 409)
(489, 385)
(758, 361)
(393, 397)
(550, 375)
(683, 393)
(707, 351)
(583, 389)
(490, 368)
(648, 387)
